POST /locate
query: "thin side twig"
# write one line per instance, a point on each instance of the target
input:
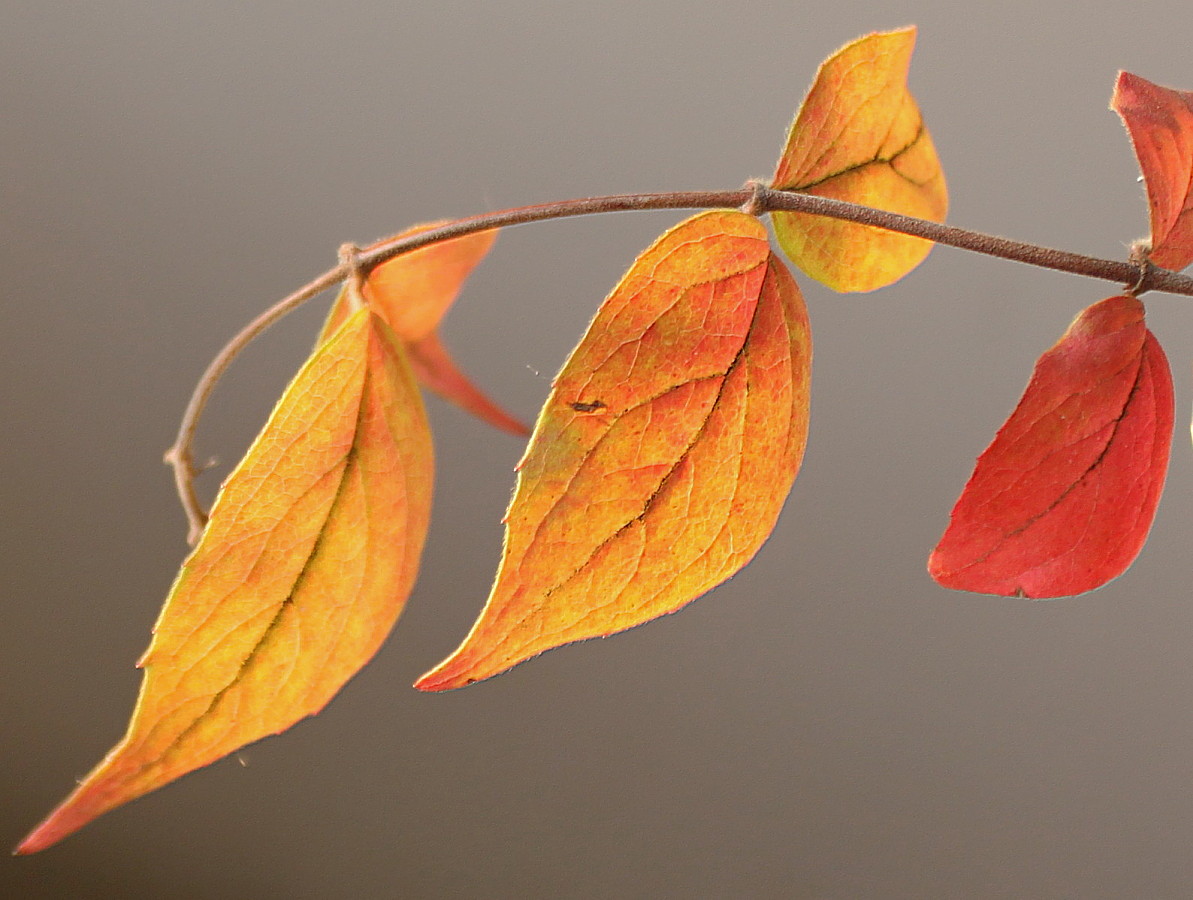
(180, 456)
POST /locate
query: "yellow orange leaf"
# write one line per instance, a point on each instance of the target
(412, 293)
(664, 453)
(859, 137)
(310, 553)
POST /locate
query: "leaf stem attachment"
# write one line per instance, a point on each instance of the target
(350, 260)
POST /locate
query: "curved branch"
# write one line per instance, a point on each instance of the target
(765, 200)
(179, 456)
(756, 198)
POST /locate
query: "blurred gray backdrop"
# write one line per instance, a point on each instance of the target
(829, 724)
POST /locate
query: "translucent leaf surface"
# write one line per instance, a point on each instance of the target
(1063, 499)
(859, 137)
(664, 453)
(310, 553)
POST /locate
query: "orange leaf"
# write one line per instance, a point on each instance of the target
(859, 137)
(1062, 500)
(1160, 122)
(412, 293)
(663, 455)
(309, 556)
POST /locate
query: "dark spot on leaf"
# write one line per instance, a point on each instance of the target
(591, 406)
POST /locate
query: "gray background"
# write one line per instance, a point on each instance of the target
(829, 724)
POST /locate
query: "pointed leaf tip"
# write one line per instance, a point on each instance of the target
(1160, 123)
(310, 553)
(412, 293)
(1062, 501)
(435, 368)
(663, 454)
(859, 137)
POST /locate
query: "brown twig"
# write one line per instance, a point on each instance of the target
(755, 198)
(179, 456)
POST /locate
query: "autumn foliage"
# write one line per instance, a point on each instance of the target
(309, 556)
(1063, 499)
(412, 293)
(859, 137)
(663, 455)
(1160, 122)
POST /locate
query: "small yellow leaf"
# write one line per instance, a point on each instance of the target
(664, 453)
(310, 553)
(859, 137)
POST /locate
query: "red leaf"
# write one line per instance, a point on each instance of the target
(1062, 500)
(1160, 122)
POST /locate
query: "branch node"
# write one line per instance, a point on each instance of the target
(350, 260)
(1140, 257)
(179, 458)
(756, 205)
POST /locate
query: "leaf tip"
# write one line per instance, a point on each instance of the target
(441, 679)
(437, 370)
(59, 824)
(33, 843)
(476, 659)
(1124, 81)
